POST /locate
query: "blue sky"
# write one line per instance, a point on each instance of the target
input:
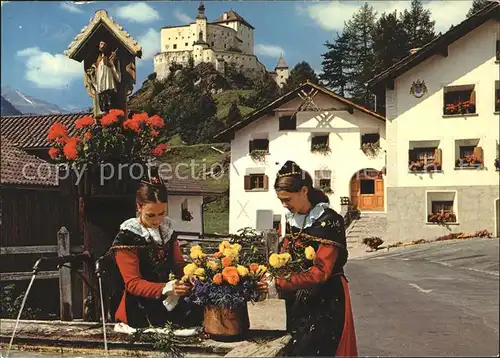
(35, 35)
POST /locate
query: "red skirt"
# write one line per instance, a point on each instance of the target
(347, 345)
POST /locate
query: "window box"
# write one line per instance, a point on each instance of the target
(256, 182)
(258, 149)
(424, 160)
(258, 154)
(441, 207)
(442, 218)
(470, 157)
(370, 144)
(459, 100)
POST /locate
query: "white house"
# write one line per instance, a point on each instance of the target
(442, 109)
(229, 39)
(341, 144)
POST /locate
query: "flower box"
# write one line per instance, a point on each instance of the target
(419, 166)
(258, 154)
(371, 149)
(469, 162)
(442, 218)
(463, 107)
(322, 148)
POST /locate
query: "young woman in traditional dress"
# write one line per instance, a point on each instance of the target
(146, 252)
(318, 304)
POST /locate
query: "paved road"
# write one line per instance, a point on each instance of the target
(437, 299)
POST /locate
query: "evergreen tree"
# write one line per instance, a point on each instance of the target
(298, 75)
(477, 5)
(234, 114)
(389, 41)
(418, 26)
(360, 30)
(336, 64)
(265, 91)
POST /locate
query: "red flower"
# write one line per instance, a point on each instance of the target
(159, 150)
(88, 135)
(156, 121)
(57, 130)
(140, 117)
(109, 119)
(117, 112)
(53, 152)
(133, 125)
(71, 148)
(154, 133)
(85, 121)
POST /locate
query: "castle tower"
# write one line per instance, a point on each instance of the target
(201, 24)
(282, 71)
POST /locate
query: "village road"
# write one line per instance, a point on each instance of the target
(439, 299)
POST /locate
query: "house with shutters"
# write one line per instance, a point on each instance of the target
(341, 144)
(442, 104)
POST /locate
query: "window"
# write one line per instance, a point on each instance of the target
(287, 123)
(319, 143)
(186, 215)
(175, 46)
(468, 154)
(185, 44)
(459, 100)
(498, 50)
(259, 144)
(370, 138)
(257, 182)
(424, 159)
(497, 96)
(370, 144)
(367, 186)
(323, 180)
(441, 207)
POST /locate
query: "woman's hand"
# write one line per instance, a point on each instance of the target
(181, 288)
(262, 287)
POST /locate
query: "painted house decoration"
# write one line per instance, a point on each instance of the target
(443, 146)
(342, 145)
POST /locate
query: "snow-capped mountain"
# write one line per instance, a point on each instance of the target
(29, 105)
(7, 109)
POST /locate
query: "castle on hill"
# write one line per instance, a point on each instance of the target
(229, 39)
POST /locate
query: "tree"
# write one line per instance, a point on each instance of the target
(418, 26)
(300, 74)
(265, 90)
(360, 30)
(234, 114)
(477, 5)
(336, 64)
(389, 41)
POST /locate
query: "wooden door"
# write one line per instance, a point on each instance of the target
(355, 192)
(379, 194)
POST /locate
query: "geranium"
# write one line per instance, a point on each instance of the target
(113, 139)
(221, 279)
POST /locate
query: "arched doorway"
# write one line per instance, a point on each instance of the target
(367, 190)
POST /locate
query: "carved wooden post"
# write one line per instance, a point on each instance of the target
(65, 294)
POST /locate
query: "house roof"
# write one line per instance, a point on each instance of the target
(259, 113)
(20, 168)
(30, 131)
(437, 46)
(233, 16)
(75, 49)
(281, 63)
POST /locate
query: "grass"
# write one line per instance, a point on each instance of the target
(216, 222)
(225, 98)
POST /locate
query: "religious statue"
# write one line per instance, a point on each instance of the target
(103, 78)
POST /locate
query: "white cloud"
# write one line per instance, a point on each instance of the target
(49, 71)
(68, 6)
(332, 15)
(269, 50)
(150, 42)
(183, 17)
(138, 12)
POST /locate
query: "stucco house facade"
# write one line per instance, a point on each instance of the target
(442, 108)
(342, 145)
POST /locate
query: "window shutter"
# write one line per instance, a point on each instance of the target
(247, 182)
(438, 156)
(267, 144)
(250, 146)
(411, 155)
(473, 97)
(478, 153)
(266, 182)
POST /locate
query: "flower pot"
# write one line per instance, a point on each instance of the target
(226, 324)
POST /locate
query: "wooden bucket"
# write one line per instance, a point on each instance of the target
(226, 324)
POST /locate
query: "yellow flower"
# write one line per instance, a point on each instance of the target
(189, 269)
(260, 270)
(284, 258)
(197, 255)
(310, 253)
(171, 276)
(212, 265)
(242, 270)
(233, 254)
(275, 261)
(236, 247)
(185, 278)
(200, 273)
(196, 248)
(224, 245)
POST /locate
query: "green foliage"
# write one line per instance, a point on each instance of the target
(10, 304)
(418, 26)
(336, 64)
(477, 5)
(300, 74)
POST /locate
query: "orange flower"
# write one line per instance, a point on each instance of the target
(88, 135)
(156, 121)
(116, 112)
(57, 130)
(159, 150)
(253, 267)
(227, 261)
(85, 121)
(154, 133)
(217, 279)
(109, 119)
(218, 254)
(230, 274)
(71, 148)
(132, 125)
(61, 140)
(53, 152)
(140, 117)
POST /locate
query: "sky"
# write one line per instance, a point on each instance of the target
(36, 33)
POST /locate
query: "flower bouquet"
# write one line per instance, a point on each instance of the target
(223, 285)
(113, 147)
(298, 258)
